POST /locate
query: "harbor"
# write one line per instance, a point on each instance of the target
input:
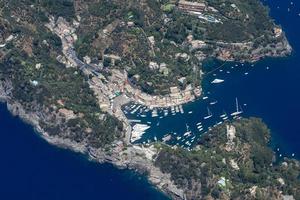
(183, 125)
(237, 95)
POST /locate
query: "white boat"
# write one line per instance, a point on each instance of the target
(181, 109)
(225, 118)
(135, 110)
(238, 111)
(223, 115)
(200, 126)
(199, 123)
(217, 81)
(166, 138)
(166, 112)
(133, 106)
(209, 114)
(205, 97)
(137, 131)
(172, 109)
(190, 112)
(213, 103)
(154, 113)
(188, 132)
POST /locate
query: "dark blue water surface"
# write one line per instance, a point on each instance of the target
(32, 169)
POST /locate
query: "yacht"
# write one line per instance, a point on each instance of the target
(217, 81)
(237, 112)
(137, 131)
(213, 103)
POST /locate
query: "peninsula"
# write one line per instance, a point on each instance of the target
(67, 67)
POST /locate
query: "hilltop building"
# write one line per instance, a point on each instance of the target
(189, 6)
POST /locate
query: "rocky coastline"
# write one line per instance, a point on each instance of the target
(121, 153)
(122, 156)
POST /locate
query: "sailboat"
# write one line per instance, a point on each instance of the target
(209, 114)
(224, 116)
(188, 132)
(237, 112)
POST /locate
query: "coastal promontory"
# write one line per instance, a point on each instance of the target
(68, 66)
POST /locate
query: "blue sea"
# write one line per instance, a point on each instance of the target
(32, 169)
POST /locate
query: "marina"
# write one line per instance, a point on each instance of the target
(218, 104)
(233, 91)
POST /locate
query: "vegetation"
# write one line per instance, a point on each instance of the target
(129, 25)
(135, 21)
(201, 169)
(42, 84)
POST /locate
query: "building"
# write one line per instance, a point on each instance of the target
(189, 6)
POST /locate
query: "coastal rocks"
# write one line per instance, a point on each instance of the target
(253, 51)
(5, 90)
(231, 131)
(132, 157)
